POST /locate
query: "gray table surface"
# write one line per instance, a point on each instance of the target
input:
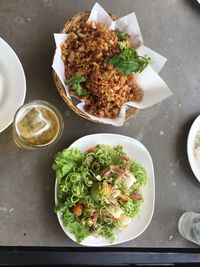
(170, 27)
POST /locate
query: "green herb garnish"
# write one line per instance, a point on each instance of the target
(123, 45)
(128, 60)
(75, 82)
(122, 36)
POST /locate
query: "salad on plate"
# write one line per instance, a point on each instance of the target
(98, 191)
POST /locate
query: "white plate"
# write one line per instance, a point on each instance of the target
(190, 147)
(12, 84)
(137, 151)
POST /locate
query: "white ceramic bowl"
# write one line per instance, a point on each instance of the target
(12, 84)
(190, 147)
(137, 151)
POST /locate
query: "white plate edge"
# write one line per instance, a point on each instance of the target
(190, 151)
(23, 77)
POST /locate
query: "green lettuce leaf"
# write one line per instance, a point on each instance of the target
(66, 160)
(140, 174)
(74, 226)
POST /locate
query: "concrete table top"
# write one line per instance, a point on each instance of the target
(172, 28)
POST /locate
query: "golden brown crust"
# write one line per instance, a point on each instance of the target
(81, 16)
(86, 53)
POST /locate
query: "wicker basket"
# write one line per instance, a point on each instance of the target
(81, 16)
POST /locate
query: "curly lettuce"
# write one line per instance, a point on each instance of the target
(66, 160)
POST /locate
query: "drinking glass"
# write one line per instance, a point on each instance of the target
(37, 124)
(189, 226)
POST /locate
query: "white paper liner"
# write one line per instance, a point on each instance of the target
(154, 88)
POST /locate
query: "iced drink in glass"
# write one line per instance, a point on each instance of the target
(37, 124)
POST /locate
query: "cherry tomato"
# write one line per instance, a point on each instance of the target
(77, 210)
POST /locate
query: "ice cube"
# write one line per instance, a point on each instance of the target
(33, 123)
